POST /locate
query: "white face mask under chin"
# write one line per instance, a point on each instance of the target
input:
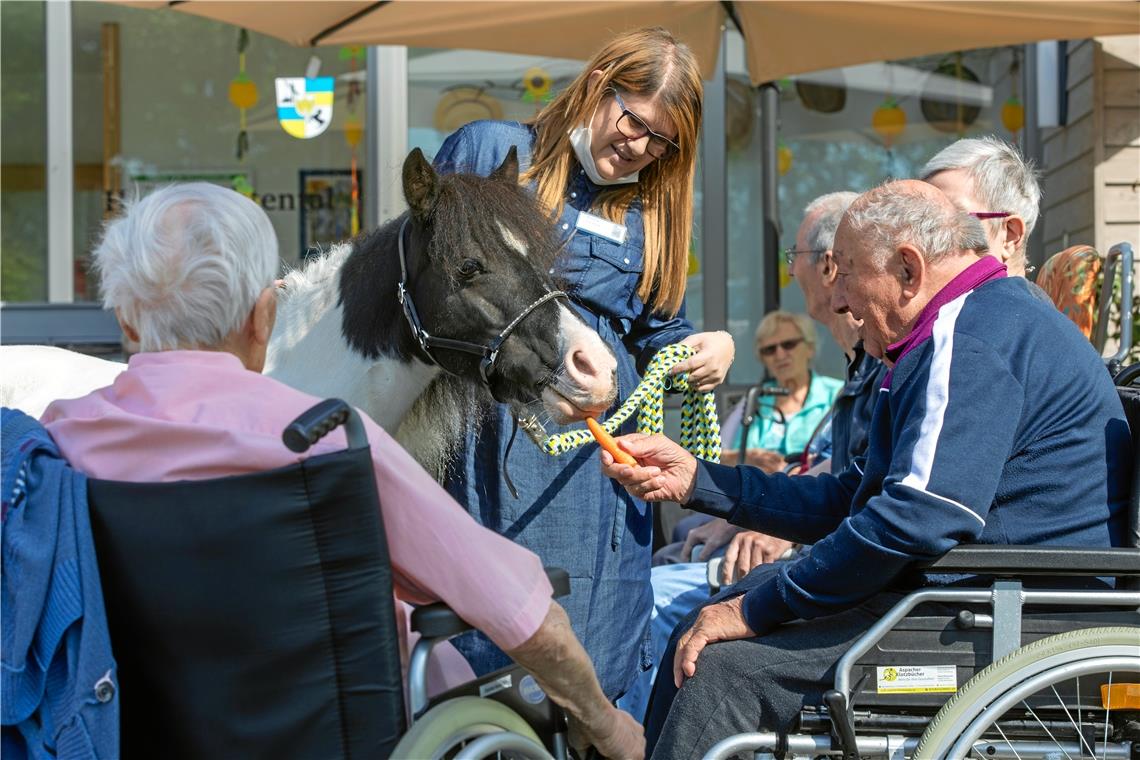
(582, 139)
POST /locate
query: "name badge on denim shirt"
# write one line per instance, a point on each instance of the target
(596, 225)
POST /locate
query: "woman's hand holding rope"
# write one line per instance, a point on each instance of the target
(708, 367)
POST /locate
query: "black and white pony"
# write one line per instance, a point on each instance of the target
(417, 323)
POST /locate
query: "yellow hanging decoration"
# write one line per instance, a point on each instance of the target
(243, 95)
(889, 120)
(353, 129)
(1013, 115)
(783, 159)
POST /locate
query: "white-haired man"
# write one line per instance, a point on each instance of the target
(988, 178)
(189, 271)
(964, 447)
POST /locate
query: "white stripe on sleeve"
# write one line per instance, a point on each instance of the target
(937, 395)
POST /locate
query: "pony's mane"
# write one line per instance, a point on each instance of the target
(486, 203)
(317, 276)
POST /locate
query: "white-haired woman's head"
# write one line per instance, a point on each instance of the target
(184, 265)
(1000, 181)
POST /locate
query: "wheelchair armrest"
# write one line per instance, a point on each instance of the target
(1005, 560)
(438, 621)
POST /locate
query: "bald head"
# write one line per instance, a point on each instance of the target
(914, 212)
(896, 247)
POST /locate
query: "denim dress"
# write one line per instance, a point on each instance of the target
(567, 512)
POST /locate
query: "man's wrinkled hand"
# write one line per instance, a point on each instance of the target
(748, 550)
(665, 471)
(713, 534)
(723, 621)
(617, 735)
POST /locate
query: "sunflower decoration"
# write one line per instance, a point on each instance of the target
(536, 85)
(243, 95)
(889, 120)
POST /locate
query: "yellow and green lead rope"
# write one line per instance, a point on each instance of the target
(700, 429)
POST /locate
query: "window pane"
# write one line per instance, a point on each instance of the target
(178, 122)
(839, 130)
(23, 152)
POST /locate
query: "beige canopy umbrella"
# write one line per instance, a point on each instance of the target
(784, 37)
(787, 38)
(548, 28)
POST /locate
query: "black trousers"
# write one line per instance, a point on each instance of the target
(757, 684)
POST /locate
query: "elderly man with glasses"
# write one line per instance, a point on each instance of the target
(975, 435)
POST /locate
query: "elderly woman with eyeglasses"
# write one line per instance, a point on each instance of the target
(797, 399)
(611, 162)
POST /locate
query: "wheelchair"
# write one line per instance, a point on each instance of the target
(1013, 666)
(252, 616)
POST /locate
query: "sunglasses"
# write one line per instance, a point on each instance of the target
(633, 127)
(788, 346)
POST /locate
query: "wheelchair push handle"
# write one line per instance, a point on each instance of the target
(318, 421)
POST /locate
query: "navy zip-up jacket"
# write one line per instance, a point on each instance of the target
(998, 425)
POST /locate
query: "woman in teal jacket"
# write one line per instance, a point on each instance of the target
(782, 424)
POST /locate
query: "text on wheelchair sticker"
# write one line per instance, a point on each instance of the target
(492, 687)
(917, 679)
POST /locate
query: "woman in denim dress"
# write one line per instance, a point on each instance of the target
(612, 160)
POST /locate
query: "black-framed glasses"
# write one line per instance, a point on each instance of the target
(791, 253)
(788, 346)
(633, 127)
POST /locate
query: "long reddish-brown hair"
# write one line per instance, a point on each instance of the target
(650, 63)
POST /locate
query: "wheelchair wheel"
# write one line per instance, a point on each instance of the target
(445, 729)
(1046, 695)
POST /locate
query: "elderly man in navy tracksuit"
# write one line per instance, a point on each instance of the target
(998, 424)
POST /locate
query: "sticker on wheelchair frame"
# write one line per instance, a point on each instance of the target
(494, 687)
(916, 679)
(530, 691)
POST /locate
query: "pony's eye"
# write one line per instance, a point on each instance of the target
(470, 268)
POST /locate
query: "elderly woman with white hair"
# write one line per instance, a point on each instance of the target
(189, 271)
(798, 399)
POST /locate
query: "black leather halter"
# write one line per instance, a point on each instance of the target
(489, 352)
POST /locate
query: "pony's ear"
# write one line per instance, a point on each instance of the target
(508, 171)
(421, 183)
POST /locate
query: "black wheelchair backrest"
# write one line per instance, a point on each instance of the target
(252, 616)
(1130, 399)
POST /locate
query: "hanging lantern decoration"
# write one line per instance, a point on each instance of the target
(243, 95)
(783, 158)
(1012, 112)
(889, 120)
(353, 127)
(1013, 115)
(536, 85)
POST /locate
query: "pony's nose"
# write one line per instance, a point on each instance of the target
(587, 370)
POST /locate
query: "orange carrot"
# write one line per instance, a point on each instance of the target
(607, 442)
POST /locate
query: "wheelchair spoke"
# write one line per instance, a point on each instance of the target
(1046, 728)
(1007, 741)
(1077, 723)
(1107, 712)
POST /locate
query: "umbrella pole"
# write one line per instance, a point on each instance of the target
(769, 197)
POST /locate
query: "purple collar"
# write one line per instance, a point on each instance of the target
(982, 271)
